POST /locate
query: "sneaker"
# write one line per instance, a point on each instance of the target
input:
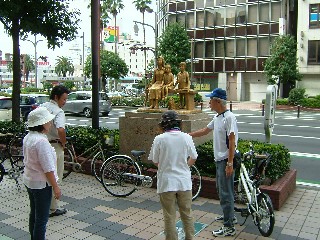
(225, 232)
(220, 218)
(58, 212)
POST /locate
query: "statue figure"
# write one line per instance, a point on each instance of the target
(168, 81)
(183, 82)
(155, 90)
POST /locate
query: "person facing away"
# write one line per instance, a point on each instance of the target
(183, 82)
(40, 175)
(173, 152)
(57, 135)
(225, 135)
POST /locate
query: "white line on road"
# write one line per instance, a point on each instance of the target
(310, 155)
(281, 135)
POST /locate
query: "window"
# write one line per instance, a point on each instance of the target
(314, 16)
(314, 52)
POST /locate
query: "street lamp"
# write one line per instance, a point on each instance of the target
(84, 78)
(35, 57)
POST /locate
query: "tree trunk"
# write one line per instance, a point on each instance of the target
(16, 71)
(115, 34)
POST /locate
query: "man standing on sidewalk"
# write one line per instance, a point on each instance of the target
(224, 125)
(57, 136)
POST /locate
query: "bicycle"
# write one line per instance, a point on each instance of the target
(98, 153)
(13, 153)
(247, 191)
(121, 175)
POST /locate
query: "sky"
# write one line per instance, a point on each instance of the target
(124, 21)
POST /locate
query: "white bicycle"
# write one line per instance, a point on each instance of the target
(247, 191)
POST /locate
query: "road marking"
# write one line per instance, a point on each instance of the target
(309, 155)
(308, 184)
(281, 135)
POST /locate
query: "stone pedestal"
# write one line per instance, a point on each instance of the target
(138, 129)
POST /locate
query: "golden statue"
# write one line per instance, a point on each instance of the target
(168, 81)
(183, 82)
(155, 90)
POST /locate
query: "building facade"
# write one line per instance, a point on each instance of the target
(230, 40)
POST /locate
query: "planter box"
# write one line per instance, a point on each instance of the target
(279, 191)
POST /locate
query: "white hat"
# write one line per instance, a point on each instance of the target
(39, 116)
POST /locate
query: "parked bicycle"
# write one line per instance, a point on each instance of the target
(13, 154)
(98, 153)
(247, 191)
(121, 175)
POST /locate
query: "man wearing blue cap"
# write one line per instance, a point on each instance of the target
(225, 134)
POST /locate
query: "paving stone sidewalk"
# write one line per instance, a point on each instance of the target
(93, 214)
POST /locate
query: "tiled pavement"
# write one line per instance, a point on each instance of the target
(93, 214)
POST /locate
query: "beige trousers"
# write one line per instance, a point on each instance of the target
(60, 167)
(168, 202)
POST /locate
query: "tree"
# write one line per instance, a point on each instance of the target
(111, 66)
(113, 7)
(174, 46)
(282, 63)
(63, 66)
(50, 18)
(143, 6)
(28, 66)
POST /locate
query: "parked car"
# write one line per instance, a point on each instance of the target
(30, 101)
(5, 108)
(80, 102)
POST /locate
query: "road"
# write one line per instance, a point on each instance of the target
(300, 135)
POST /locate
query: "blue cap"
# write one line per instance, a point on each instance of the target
(218, 93)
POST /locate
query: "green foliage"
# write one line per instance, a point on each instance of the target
(86, 137)
(311, 102)
(174, 46)
(283, 61)
(69, 84)
(63, 66)
(278, 166)
(127, 101)
(282, 101)
(111, 66)
(12, 127)
(198, 98)
(296, 95)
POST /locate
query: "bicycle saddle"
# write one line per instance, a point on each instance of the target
(137, 153)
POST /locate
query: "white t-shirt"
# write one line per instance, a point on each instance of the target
(223, 124)
(39, 158)
(171, 150)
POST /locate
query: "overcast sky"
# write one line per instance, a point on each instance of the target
(124, 21)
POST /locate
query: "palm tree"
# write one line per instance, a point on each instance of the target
(63, 66)
(26, 65)
(143, 6)
(113, 7)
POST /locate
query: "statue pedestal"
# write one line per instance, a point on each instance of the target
(138, 129)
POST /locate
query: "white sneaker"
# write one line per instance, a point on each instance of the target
(224, 232)
(220, 218)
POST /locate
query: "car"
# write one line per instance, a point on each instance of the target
(5, 108)
(30, 101)
(80, 102)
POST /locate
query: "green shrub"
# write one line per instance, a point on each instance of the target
(310, 102)
(12, 127)
(198, 98)
(282, 101)
(277, 167)
(296, 95)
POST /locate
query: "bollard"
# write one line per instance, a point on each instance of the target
(201, 105)
(230, 106)
(298, 111)
(262, 109)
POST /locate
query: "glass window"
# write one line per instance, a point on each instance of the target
(275, 11)
(210, 3)
(252, 47)
(230, 48)
(231, 15)
(220, 12)
(198, 50)
(229, 2)
(314, 52)
(241, 47)
(220, 2)
(199, 3)
(314, 16)
(171, 18)
(264, 46)
(264, 12)
(252, 13)
(200, 19)
(209, 49)
(209, 18)
(241, 15)
(181, 6)
(190, 20)
(219, 48)
(181, 18)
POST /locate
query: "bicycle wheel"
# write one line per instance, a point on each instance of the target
(96, 164)
(196, 182)
(116, 175)
(68, 162)
(2, 172)
(265, 215)
(16, 151)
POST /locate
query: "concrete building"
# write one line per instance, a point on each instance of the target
(308, 45)
(230, 40)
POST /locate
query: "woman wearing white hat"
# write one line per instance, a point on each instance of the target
(40, 175)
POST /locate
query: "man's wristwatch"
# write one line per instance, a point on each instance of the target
(229, 164)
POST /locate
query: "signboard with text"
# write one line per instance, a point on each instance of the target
(270, 107)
